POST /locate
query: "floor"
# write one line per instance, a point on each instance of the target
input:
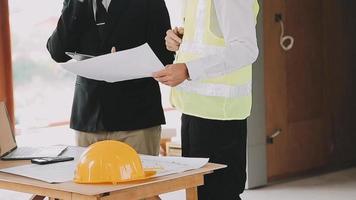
(333, 186)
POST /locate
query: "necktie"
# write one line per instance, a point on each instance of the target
(101, 17)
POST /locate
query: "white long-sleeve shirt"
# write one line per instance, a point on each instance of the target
(235, 21)
(106, 4)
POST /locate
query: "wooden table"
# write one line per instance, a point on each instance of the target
(188, 180)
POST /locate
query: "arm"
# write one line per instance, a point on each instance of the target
(66, 36)
(237, 23)
(158, 24)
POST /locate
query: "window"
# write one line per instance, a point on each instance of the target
(43, 91)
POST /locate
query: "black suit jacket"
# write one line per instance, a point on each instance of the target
(120, 106)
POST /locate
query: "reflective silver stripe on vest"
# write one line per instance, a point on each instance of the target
(216, 90)
(199, 48)
(200, 20)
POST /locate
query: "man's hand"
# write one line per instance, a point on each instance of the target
(174, 38)
(113, 49)
(172, 75)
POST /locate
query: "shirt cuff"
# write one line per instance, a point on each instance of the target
(195, 69)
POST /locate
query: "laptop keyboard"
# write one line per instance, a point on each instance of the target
(36, 152)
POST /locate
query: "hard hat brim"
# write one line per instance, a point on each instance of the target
(148, 174)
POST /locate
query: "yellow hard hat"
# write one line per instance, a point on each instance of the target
(110, 162)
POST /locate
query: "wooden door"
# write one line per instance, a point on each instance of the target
(293, 84)
(308, 89)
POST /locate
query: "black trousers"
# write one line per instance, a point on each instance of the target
(223, 142)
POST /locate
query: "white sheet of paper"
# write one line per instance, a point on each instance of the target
(48, 151)
(139, 62)
(63, 172)
(51, 173)
(171, 165)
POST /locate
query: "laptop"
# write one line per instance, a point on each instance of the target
(8, 146)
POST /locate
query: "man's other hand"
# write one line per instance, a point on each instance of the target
(172, 75)
(174, 38)
(113, 50)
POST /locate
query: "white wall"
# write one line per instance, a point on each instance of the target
(256, 138)
(172, 117)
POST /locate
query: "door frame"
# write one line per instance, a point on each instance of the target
(256, 123)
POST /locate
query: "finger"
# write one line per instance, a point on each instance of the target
(167, 83)
(176, 30)
(173, 36)
(176, 38)
(172, 44)
(113, 50)
(164, 79)
(181, 30)
(169, 48)
(169, 66)
(172, 47)
(160, 74)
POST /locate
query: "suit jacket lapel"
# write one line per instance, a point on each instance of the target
(91, 12)
(115, 11)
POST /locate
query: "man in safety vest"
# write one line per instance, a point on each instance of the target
(211, 86)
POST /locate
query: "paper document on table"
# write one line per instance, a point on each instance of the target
(171, 165)
(64, 171)
(139, 62)
(51, 173)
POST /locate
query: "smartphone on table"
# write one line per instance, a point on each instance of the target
(50, 160)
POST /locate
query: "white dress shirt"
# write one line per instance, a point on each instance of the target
(106, 4)
(235, 21)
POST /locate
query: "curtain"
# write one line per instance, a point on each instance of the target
(6, 85)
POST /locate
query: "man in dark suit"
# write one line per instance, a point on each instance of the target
(129, 111)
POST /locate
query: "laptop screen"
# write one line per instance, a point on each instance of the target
(7, 139)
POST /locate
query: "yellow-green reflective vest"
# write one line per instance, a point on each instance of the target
(226, 97)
